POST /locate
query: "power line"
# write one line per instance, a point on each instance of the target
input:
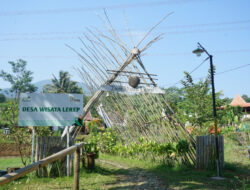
(219, 73)
(213, 52)
(145, 29)
(151, 54)
(233, 69)
(210, 24)
(191, 71)
(87, 9)
(199, 65)
(75, 37)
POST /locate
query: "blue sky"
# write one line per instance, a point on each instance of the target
(37, 32)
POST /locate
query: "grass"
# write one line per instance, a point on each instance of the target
(10, 162)
(180, 177)
(236, 173)
(88, 180)
(236, 157)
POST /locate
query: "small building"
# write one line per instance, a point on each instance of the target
(88, 117)
(239, 101)
(7, 131)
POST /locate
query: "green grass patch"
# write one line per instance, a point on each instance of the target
(236, 173)
(88, 180)
(180, 177)
(10, 162)
(236, 157)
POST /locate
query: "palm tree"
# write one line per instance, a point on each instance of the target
(62, 85)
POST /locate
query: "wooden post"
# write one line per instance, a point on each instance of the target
(67, 147)
(76, 169)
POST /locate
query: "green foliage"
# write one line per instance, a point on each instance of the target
(2, 98)
(93, 126)
(227, 130)
(44, 131)
(197, 104)
(173, 96)
(91, 147)
(9, 114)
(196, 107)
(21, 79)
(229, 115)
(182, 147)
(22, 139)
(107, 142)
(246, 97)
(62, 85)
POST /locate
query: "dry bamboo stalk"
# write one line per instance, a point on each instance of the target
(113, 57)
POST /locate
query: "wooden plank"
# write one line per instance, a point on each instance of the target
(210, 147)
(202, 152)
(205, 151)
(198, 152)
(213, 150)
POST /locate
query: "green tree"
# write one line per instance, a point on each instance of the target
(2, 98)
(173, 96)
(196, 106)
(62, 85)
(246, 97)
(20, 79)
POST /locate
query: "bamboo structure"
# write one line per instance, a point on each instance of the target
(147, 115)
(44, 162)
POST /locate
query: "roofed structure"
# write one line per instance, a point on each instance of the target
(88, 117)
(239, 101)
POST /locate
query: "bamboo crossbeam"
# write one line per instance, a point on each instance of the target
(19, 173)
(109, 81)
(113, 71)
(33, 167)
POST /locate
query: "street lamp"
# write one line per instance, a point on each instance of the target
(198, 52)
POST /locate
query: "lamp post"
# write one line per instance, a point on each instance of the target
(198, 52)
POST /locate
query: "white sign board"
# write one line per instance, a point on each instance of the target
(126, 89)
(49, 109)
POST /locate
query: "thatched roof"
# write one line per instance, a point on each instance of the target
(88, 117)
(239, 101)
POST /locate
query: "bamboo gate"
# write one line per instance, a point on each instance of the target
(147, 115)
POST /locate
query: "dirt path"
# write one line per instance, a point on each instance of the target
(132, 178)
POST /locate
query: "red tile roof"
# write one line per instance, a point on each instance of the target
(239, 101)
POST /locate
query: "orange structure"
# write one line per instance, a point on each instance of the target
(239, 101)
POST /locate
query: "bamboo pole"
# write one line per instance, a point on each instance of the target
(35, 166)
(76, 169)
